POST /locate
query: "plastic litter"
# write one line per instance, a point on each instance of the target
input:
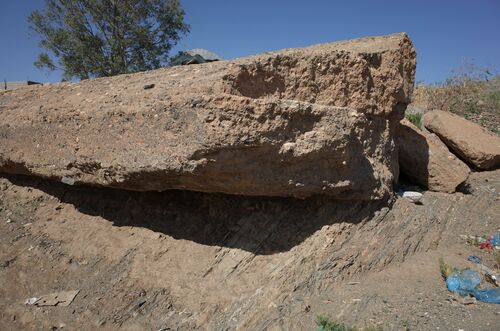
(473, 240)
(466, 282)
(31, 301)
(490, 295)
(474, 259)
(495, 239)
(63, 299)
(488, 243)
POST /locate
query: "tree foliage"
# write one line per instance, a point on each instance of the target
(96, 38)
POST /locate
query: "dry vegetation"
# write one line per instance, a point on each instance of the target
(471, 92)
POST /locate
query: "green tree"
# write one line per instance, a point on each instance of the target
(96, 38)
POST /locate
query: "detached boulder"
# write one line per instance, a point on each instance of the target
(298, 122)
(471, 142)
(424, 159)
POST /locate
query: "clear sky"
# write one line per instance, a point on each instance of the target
(445, 32)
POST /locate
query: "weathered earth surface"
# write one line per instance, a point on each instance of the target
(426, 160)
(468, 140)
(185, 260)
(298, 122)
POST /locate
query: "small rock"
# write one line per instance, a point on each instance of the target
(413, 196)
(468, 300)
(149, 86)
(5, 264)
(68, 180)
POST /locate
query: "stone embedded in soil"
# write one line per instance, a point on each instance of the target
(297, 122)
(426, 160)
(469, 141)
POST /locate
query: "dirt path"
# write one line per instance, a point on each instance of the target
(190, 261)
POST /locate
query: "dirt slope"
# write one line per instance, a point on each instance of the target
(181, 260)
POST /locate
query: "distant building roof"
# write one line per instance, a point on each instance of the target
(16, 84)
(194, 56)
(207, 55)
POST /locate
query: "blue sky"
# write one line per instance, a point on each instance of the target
(445, 32)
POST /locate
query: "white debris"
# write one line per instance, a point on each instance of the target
(31, 301)
(63, 298)
(413, 196)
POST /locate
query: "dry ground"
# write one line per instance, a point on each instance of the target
(190, 261)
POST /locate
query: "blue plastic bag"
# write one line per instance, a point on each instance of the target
(495, 239)
(466, 282)
(490, 295)
(474, 259)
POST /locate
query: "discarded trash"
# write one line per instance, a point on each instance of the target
(62, 299)
(413, 196)
(68, 180)
(474, 259)
(491, 275)
(492, 278)
(466, 282)
(495, 239)
(30, 301)
(488, 243)
(473, 240)
(490, 295)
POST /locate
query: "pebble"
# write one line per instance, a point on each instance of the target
(68, 180)
(414, 197)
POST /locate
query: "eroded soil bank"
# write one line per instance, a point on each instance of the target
(182, 260)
